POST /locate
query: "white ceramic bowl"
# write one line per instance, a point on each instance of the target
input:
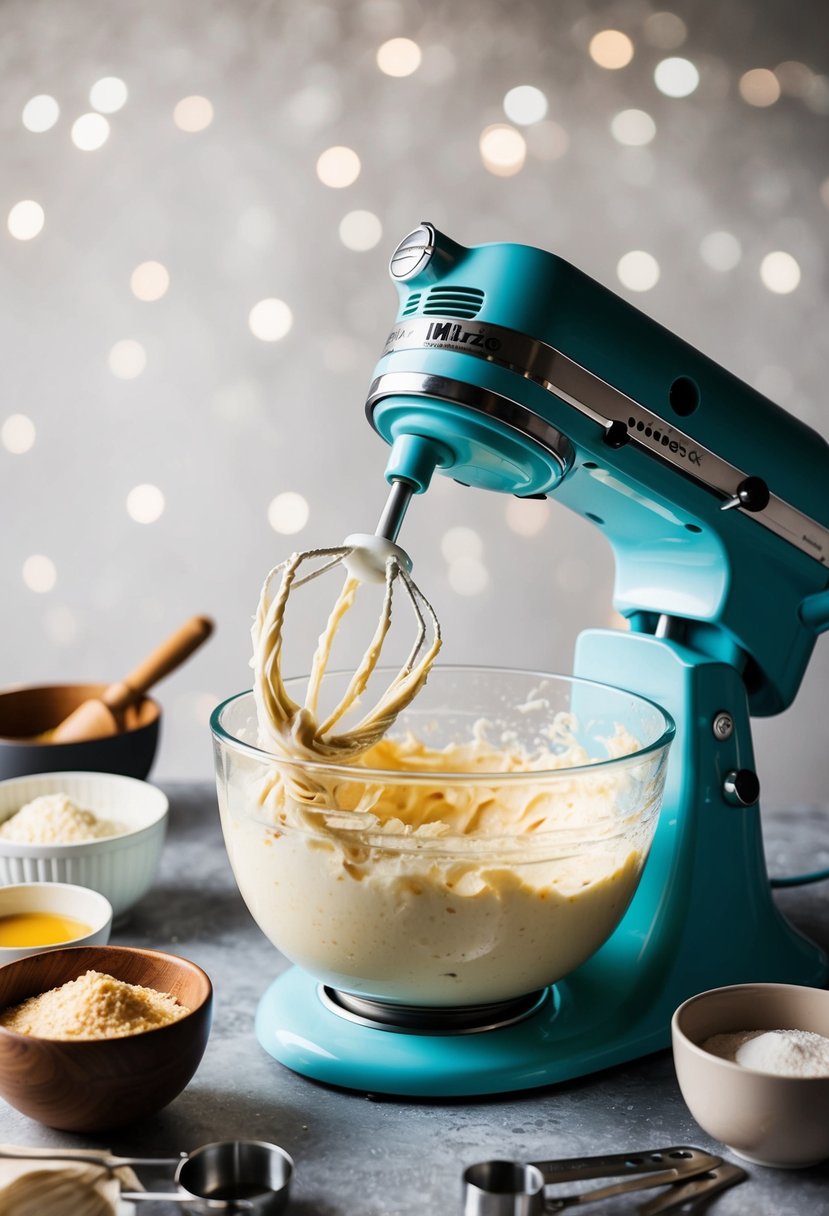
(123, 868)
(765, 1118)
(61, 899)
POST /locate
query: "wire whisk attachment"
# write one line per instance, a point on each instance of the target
(297, 732)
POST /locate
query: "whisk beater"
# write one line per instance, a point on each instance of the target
(296, 731)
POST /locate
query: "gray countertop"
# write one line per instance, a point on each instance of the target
(371, 1157)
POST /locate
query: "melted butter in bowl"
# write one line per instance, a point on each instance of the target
(40, 929)
(40, 916)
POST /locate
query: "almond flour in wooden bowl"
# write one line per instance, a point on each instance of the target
(94, 1006)
(95, 1084)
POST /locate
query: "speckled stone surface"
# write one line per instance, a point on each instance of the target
(390, 1158)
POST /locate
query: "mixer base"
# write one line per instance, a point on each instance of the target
(703, 916)
(559, 1038)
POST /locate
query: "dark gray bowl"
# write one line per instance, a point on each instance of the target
(27, 712)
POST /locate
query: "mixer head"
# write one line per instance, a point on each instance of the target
(507, 369)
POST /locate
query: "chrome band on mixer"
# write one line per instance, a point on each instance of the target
(591, 396)
(431, 1020)
(482, 401)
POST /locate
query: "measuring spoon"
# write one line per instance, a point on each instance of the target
(229, 1176)
(516, 1188)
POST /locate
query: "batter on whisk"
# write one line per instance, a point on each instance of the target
(296, 731)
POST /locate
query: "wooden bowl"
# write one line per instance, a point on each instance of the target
(95, 1085)
(27, 712)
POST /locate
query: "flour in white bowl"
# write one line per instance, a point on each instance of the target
(786, 1053)
(55, 819)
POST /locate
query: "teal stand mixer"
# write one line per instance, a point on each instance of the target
(507, 369)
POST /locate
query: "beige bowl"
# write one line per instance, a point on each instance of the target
(762, 1117)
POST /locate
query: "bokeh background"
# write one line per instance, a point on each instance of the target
(199, 201)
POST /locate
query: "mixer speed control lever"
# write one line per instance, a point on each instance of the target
(741, 787)
(752, 494)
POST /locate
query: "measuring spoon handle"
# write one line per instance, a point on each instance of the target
(216, 1205)
(13, 1153)
(621, 1164)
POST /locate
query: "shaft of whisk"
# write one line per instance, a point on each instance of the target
(394, 512)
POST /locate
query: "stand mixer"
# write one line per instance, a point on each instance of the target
(509, 370)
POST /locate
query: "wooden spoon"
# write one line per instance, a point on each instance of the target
(100, 717)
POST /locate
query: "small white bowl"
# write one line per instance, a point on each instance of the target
(61, 899)
(122, 868)
(766, 1118)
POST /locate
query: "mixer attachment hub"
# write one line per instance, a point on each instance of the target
(425, 1019)
(369, 555)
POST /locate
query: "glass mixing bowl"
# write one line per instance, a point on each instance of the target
(437, 877)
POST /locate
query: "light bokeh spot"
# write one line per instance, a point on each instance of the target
(39, 573)
(193, 114)
(665, 31)
(547, 140)
(26, 219)
(203, 704)
(794, 78)
(18, 434)
(108, 95)
(145, 504)
(40, 113)
(270, 320)
(527, 516)
(635, 128)
(720, 250)
(676, 77)
(90, 132)
(127, 359)
(315, 106)
(638, 270)
(62, 625)
(468, 576)
(288, 513)
(503, 150)
(360, 230)
(338, 167)
(759, 87)
(525, 105)
(816, 94)
(461, 542)
(399, 57)
(611, 49)
(149, 281)
(774, 381)
(780, 272)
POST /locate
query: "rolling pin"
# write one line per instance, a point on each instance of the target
(100, 717)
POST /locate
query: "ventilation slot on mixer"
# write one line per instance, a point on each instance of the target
(411, 304)
(453, 302)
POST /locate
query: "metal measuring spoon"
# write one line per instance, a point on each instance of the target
(516, 1188)
(230, 1176)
